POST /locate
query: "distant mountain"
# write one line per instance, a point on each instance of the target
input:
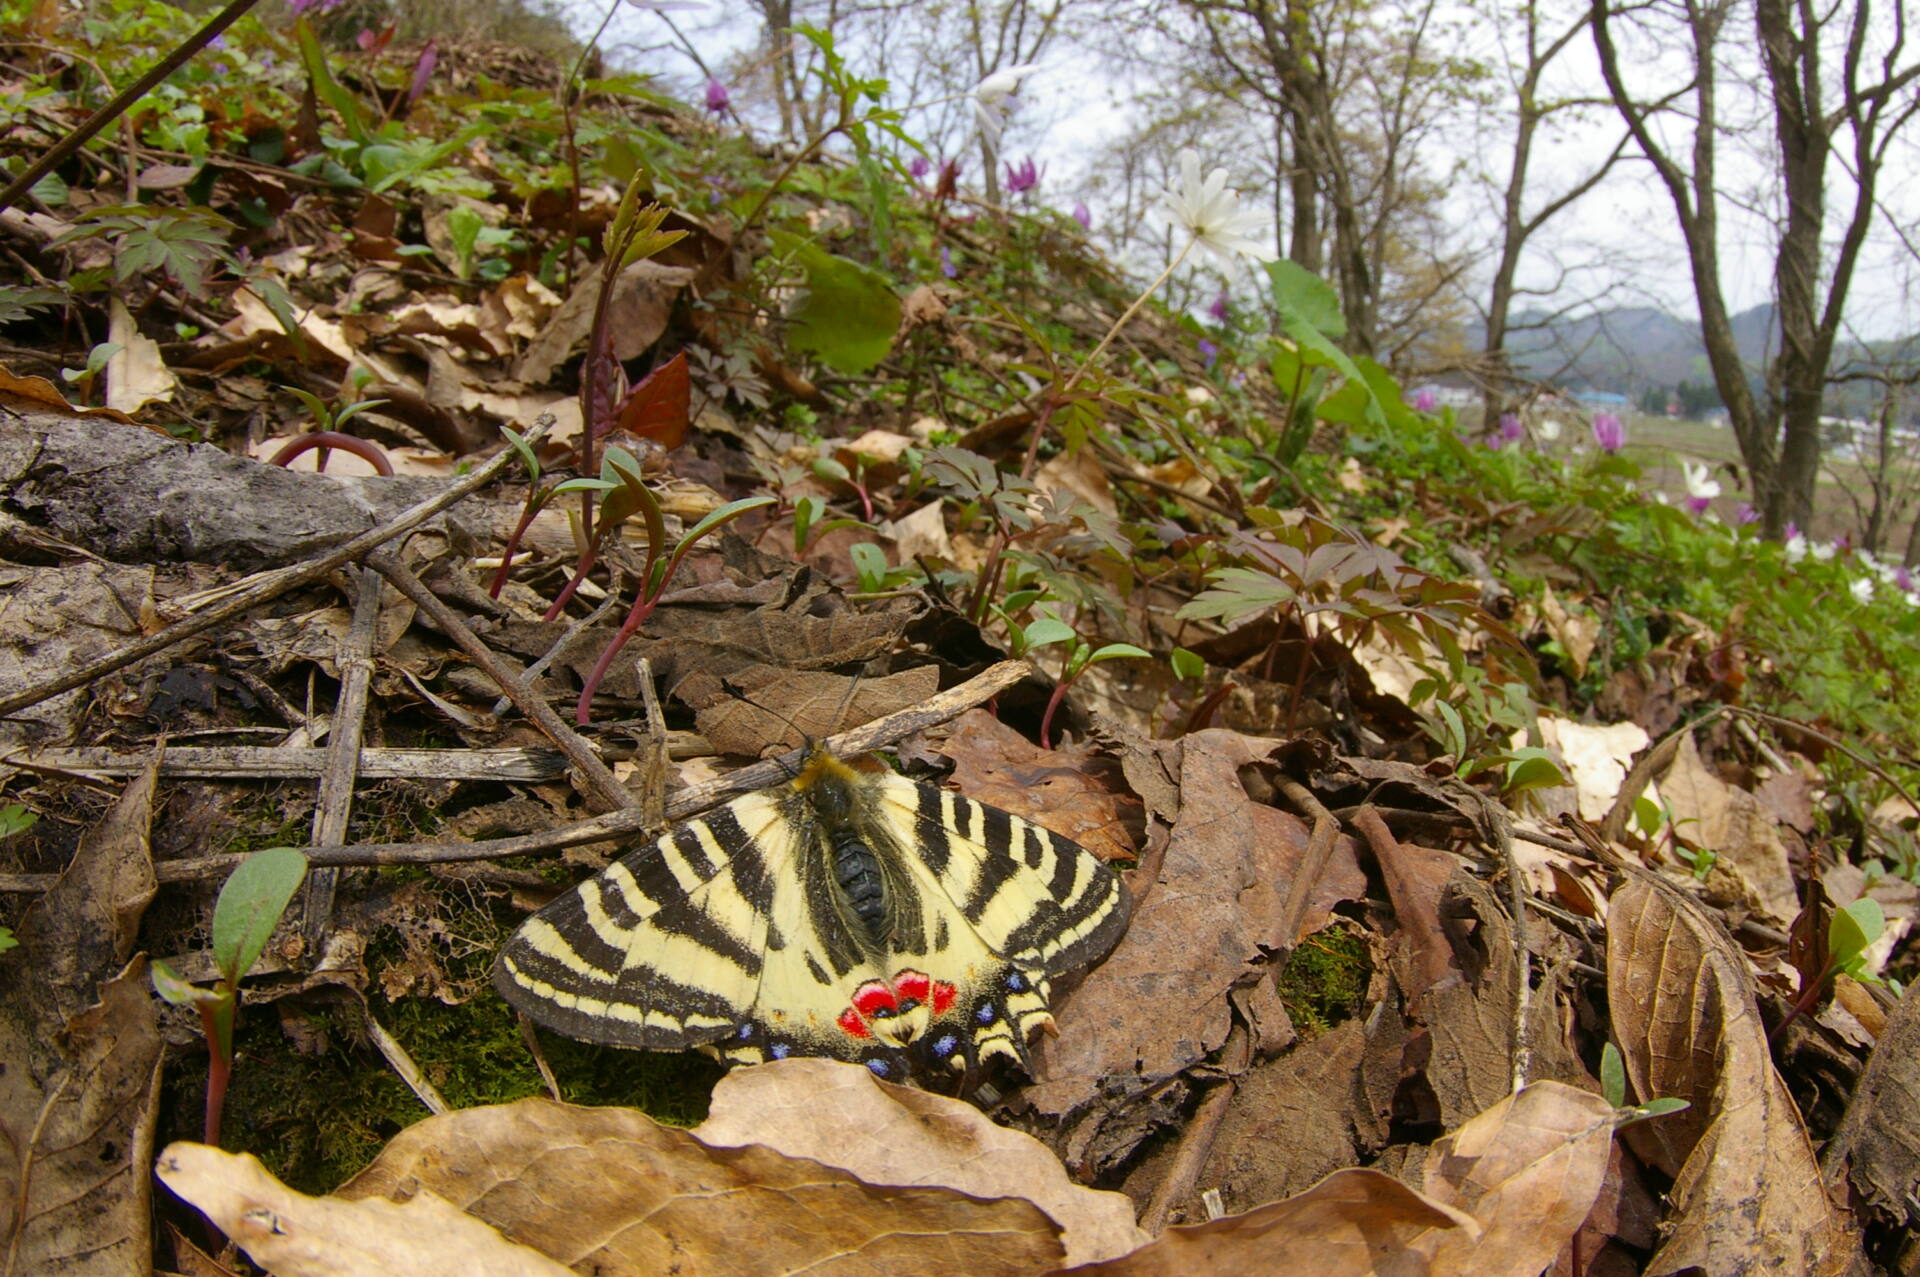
(1628, 349)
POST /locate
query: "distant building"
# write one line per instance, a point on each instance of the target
(1600, 398)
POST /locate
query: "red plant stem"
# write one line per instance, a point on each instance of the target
(642, 609)
(1804, 1003)
(527, 517)
(1046, 719)
(325, 440)
(219, 1069)
(567, 591)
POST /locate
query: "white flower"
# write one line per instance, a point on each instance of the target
(1824, 551)
(1213, 213)
(1699, 485)
(1796, 548)
(990, 93)
(1862, 588)
(1549, 429)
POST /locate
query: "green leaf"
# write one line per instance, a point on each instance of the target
(269, 291)
(179, 992)
(869, 565)
(325, 87)
(849, 315)
(1236, 594)
(250, 905)
(1048, 630)
(22, 303)
(1187, 664)
(1664, 1105)
(1299, 293)
(1119, 651)
(463, 228)
(527, 459)
(1532, 768)
(6, 940)
(15, 819)
(1647, 816)
(1613, 1076)
(731, 510)
(1853, 930)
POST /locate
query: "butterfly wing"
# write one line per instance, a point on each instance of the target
(1012, 906)
(663, 949)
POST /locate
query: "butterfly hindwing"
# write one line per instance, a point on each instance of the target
(735, 930)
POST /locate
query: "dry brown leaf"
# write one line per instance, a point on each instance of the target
(1291, 1122)
(610, 1191)
(136, 375)
(294, 1235)
(637, 314)
(1357, 1222)
(1057, 789)
(1598, 756)
(841, 1115)
(1746, 1194)
(80, 1056)
(1711, 814)
(787, 705)
(43, 392)
(1081, 474)
(1528, 1169)
(924, 532)
(1577, 633)
(1159, 1003)
(1877, 1147)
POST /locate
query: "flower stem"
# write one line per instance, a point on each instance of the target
(1121, 322)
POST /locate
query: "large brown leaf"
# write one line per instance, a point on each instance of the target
(841, 1115)
(1747, 1194)
(609, 1191)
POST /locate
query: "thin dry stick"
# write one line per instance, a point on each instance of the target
(603, 788)
(335, 806)
(575, 627)
(271, 584)
(1196, 1142)
(402, 1063)
(618, 825)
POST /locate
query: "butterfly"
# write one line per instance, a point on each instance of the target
(845, 913)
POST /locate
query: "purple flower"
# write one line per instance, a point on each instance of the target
(946, 262)
(1697, 506)
(299, 7)
(1082, 215)
(1746, 514)
(718, 100)
(1219, 307)
(1209, 352)
(918, 167)
(1022, 176)
(423, 71)
(1609, 432)
(1792, 531)
(1903, 579)
(218, 42)
(1424, 400)
(1511, 431)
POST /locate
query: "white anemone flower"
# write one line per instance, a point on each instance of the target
(1699, 483)
(1549, 429)
(1862, 588)
(990, 93)
(1213, 215)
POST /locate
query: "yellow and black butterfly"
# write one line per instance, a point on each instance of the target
(860, 916)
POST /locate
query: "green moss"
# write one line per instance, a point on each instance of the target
(1325, 981)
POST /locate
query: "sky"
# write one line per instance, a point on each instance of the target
(1618, 247)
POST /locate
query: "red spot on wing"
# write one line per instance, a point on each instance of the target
(851, 1024)
(912, 984)
(943, 996)
(873, 997)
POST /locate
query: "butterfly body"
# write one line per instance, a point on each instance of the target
(861, 916)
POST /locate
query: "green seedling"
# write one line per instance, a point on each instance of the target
(537, 499)
(1851, 932)
(872, 572)
(14, 819)
(835, 471)
(810, 523)
(244, 916)
(1613, 1088)
(1081, 656)
(82, 379)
